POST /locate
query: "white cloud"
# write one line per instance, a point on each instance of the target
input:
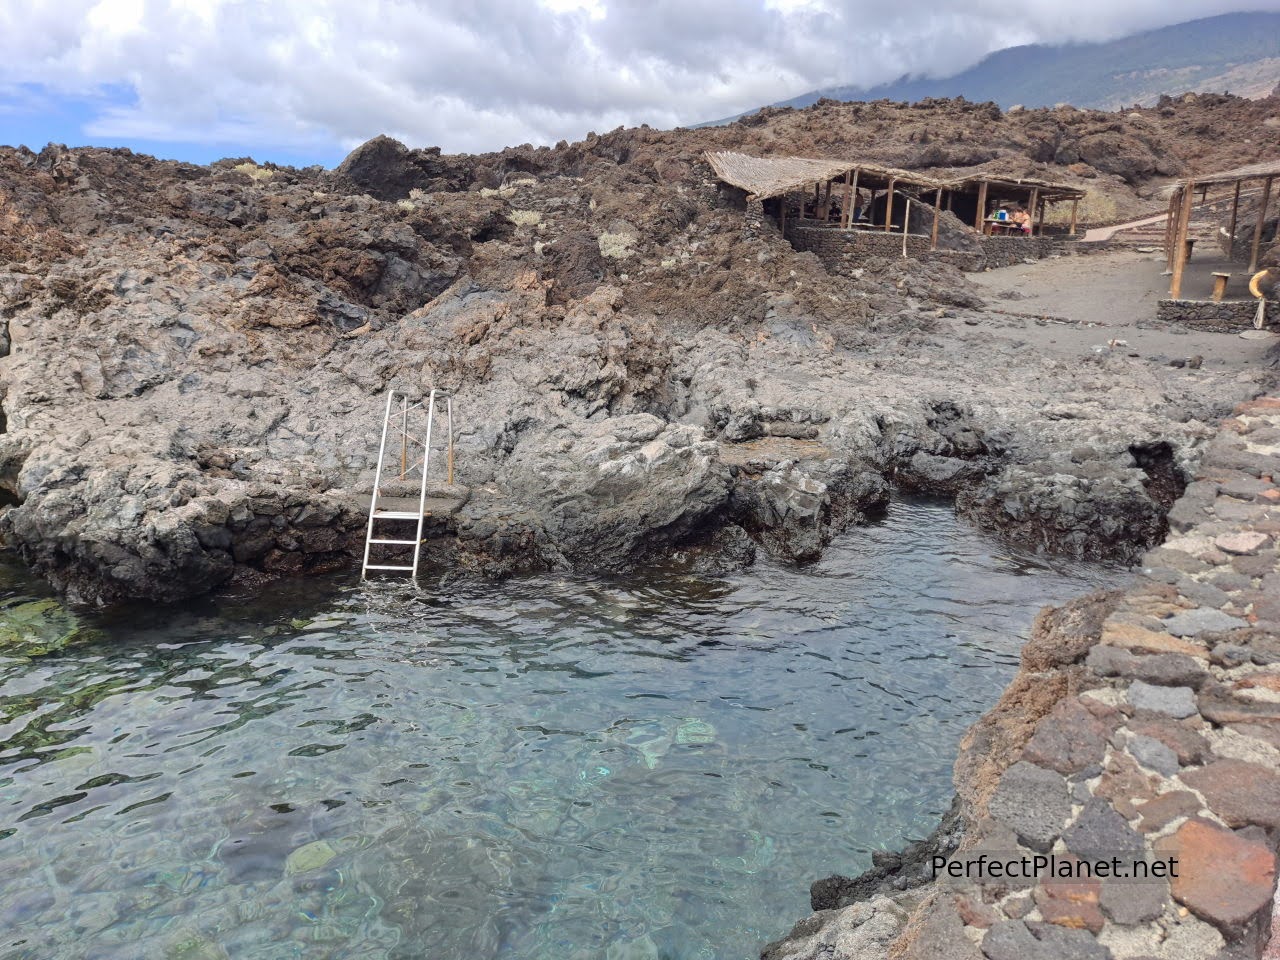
(478, 74)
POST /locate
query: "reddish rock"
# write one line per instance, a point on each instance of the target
(1219, 704)
(1240, 793)
(1166, 808)
(1129, 637)
(975, 913)
(1263, 681)
(1071, 903)
(1069, 739)
(1177, 735)
(1223, 878)
(1123, 783)
(1261, 407)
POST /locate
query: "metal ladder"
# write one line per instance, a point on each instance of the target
(408, 444)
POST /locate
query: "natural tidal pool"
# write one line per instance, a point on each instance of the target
(550, 767)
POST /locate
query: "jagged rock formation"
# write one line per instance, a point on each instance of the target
(196, 354)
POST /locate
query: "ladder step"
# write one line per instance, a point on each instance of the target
(396, 515)
(403, 543)
(383, 566)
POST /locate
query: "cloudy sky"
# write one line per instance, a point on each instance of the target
(302, 81)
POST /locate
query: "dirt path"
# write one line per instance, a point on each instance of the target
(1097, 298)
(1098, 234)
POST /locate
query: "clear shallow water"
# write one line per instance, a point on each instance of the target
(549, 767)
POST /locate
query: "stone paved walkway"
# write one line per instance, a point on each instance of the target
(1177, 753)
(1163, 740)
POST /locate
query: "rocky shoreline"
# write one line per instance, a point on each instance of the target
(1144, 722)
(194, 358)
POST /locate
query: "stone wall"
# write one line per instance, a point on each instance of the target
(1143, 724)
(1229, 316)
(841, 250)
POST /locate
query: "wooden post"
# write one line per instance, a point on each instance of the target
(937, 212)
(1180, 240)
(782, 215)
(1235, 212)
(888, 205)
(1257, 227)
(951, 195)
(846, 211)
(1171, 228)
(1040, 223)
(982, 208)
(826, 202)
(1075, 209)
(1031, 214)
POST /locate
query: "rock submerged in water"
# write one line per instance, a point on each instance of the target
(308, 857)
(33, 628)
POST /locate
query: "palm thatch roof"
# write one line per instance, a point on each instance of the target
(1046, 189)
(765, 177)
(1254, 171)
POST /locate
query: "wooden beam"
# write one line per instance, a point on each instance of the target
(1257, 227)
(982, 208)
(1235, 215)
(846, 209)
(1031, 214)
(888, 205)
(826, 202)
(1171, 228)
(1075, 209)
(1040, 223)
(937, 212)
(1180, 241)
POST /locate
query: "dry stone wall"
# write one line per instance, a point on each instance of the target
(1228, 316)
(843, 250)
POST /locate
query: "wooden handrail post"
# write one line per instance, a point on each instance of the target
(1257, 227)
(937, 212)
(1235, 214)
(1171, 227)
(1180, 241)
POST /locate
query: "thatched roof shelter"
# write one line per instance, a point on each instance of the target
(766, 177)
(971, 195)
(1253, 171)
(1178, 250)
(1045, 190)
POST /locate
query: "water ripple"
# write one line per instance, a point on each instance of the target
(554, 767)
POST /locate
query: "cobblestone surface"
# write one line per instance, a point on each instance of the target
(1165, 743)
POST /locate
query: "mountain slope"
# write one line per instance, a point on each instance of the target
(1236, 52)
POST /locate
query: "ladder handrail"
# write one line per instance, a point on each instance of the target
(377, 481)
(401, 431)
(422, 490)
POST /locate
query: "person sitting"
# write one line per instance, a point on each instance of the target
(1022, 220)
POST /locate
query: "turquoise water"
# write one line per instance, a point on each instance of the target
(550, 767)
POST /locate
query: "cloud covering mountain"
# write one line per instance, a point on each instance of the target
(310, 78)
